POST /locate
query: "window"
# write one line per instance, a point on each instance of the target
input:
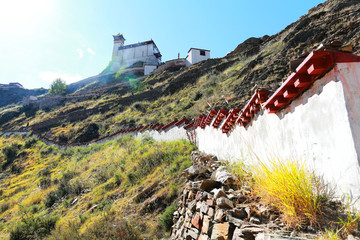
(202, 52)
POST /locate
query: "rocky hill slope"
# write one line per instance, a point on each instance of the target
(16, 95)
(216, 83)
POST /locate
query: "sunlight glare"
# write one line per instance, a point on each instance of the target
(24, 16)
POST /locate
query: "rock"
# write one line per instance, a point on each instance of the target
(222, 231)
(205, 158)
(208, 185)
(254, 220)
(219, 215)
(236, 235)
(222, 175)
(246, 231)
(196, 221)
(210, 202)
(237, 222)
(238, 213)
(194, 171)
(198, 196)
(198, 206)
(192, 205)
(192, 233)
(248, 211)
(191, 195)
(182, 211)
(351, 237)
(206, 225)
(241, 198)
(204, 208)
(211, 212)
(218, 193)
(203, 237)
(224, 203)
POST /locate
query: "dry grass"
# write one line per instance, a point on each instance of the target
(290, 187)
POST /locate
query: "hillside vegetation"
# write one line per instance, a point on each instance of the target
(97, 192)
(175, 93)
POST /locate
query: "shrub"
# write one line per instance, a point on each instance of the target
(11, 152)
(33, 228)
(29, 142)
(289, 186)
(166, 219)
(131, 176)
(45, 151)
(4, 207)
(58, 87)
(45, 182)
(50, 199)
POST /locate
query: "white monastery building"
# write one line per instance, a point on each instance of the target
(146, 56)
(196, 55)
(143, 54)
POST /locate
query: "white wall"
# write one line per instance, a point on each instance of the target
(195, 57)
(314, 128)
(128, 56)
(171, 134)
(148, 69)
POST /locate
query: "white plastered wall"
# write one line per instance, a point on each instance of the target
(314, 128)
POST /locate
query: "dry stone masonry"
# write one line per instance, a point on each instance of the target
(215, 205)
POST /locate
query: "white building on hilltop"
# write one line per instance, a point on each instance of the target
(196, 55)
(143, 54)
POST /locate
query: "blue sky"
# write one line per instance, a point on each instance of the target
(72, 39)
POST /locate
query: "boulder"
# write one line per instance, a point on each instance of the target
(208, 185)
(222, 231)
(224, 203)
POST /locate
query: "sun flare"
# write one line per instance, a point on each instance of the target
(21, 16)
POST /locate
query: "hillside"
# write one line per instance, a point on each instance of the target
(129, 185)
(16, 95)
(175, 93)
(88, 192)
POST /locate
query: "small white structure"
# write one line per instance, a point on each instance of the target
(29, 100)
(138, 54)
(149, 68)
(196, 55)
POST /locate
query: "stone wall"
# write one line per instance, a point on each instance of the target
(214, 205)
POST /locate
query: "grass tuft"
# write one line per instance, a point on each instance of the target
(290, 187)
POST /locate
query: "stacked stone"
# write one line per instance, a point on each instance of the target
(213, 206)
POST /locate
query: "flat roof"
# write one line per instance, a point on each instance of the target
(141, 44)
(199, 49)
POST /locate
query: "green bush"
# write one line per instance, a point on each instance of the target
(166, 219)
(45, 182)
(29, 142)
(4, 207)
(33, 228)
(11, 152)
(50, 199)
(45, 151)
(131, 176)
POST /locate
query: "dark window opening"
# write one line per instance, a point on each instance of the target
(202, 52)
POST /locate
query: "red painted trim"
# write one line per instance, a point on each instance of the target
(315, 65)
(189, 125)
(181, 121)
(169, 124)
(252, 107)
(210, 117)
(219, 117)
(230, 120)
